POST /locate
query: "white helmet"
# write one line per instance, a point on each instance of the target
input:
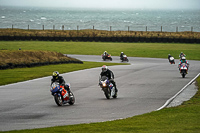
(104, 68)
(183, 58)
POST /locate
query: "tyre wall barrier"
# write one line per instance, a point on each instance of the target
(101, 39)
(11, 65)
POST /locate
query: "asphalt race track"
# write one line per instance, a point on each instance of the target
(144, 86)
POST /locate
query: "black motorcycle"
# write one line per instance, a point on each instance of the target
(106, 57)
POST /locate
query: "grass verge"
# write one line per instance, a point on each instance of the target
(97, 33)
(154, 50)
(12, 58)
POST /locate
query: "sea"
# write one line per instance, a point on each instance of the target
(100, 19)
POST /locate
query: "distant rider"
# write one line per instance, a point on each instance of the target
(60, 80)
(108, 73)
(183, 60)
(105, 53)
(169, 56)
(121, 55)
(182, 55)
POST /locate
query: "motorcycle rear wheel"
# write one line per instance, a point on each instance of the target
(183, 75)
(72, 100)
(115, 96)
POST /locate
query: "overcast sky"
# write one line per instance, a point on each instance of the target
(127, 4)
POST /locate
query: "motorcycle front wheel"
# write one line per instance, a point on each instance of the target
(107, 93)
(58, 100)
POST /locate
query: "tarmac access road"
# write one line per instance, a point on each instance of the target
(144, 86)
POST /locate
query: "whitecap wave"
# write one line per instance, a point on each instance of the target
(43, 18)
(3, 17)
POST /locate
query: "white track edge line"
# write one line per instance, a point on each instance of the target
(172, 98)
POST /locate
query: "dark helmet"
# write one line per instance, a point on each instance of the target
(55, 74)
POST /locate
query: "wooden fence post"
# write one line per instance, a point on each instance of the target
(176, 28)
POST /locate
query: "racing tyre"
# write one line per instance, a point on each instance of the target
(72, 99)
(183, 75)
(115, 96)
(58, 100)
(107, 93)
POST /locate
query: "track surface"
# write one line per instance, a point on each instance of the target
(144, 86)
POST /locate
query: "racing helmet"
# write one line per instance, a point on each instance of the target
(55, 74)
(104, 68)
(183, 59)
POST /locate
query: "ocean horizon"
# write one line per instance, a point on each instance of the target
(100, 19)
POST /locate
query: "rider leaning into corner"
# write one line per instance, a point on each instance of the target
(108, 73)
(121, 55)
(60, 80)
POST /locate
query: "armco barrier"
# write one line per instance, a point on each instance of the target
(101, 39)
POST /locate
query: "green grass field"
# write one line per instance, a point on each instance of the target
(181, 119)
(155, 50)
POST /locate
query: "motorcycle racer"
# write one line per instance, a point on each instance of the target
(121, 55)
(169, 56)
(108, 73)
(183, 60)
(60, 80)
(182, 55)
(105, 53)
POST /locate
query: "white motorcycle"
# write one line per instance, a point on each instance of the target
(171, 60)
(107, 87)
(183, 69)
